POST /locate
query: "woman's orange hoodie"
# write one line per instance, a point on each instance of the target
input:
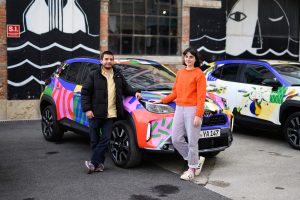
(189, 89)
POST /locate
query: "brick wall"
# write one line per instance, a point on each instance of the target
(3, 57)
(104, 25)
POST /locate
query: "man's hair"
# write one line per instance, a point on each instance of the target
(106, 53)
(194, 53)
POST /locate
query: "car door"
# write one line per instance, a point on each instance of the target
(223, 81)
(65, 86)
(84, 69)
(256, 97)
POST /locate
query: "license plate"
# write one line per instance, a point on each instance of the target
(210, 133)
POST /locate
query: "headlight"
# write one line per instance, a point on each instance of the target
(158, 108)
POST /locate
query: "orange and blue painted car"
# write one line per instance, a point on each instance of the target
(147, 126)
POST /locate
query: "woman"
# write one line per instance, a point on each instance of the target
(189, 90)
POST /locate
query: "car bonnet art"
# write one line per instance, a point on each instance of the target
(152, 123)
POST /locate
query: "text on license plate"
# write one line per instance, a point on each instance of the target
(210, 133)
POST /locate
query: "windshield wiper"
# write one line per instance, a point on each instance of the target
(161, 88)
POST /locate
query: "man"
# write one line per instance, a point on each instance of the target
(102, 101)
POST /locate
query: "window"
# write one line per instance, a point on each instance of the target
(227, 72)
(88, 68)
(72, 72)
(145, 27)
(257, 74)
(147, 77)
(64, 72)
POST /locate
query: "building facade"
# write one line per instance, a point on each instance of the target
(36, 35)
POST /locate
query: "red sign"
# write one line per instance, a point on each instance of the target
(13, 31)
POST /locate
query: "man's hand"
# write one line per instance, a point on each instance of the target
(89, 114)
(138, 95)
(197, 121)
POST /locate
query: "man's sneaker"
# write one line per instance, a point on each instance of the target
(90, 167)
(199, 167)
(100, 168)
(188, 175)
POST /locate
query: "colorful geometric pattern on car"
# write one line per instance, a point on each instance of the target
(63, 97)
(161, 131)
(131, 104)
(210, 77)
(135, 61)
(79, 115)
(49, 88)
(277, 96)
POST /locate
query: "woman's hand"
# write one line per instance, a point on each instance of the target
(197, 121)
(138, 95)
(155, 101)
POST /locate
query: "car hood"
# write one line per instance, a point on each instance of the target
(213, 103)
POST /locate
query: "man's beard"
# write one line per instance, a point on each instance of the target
(107, 66)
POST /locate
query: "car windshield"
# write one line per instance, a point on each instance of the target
(147, 77)
(290, 72)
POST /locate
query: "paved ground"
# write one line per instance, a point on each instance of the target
(32, 169)
(258, 166)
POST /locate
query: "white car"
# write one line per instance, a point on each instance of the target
(260, 93)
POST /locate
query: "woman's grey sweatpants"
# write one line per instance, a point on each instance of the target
(183, 124)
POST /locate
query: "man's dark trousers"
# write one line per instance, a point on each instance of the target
(99, 143)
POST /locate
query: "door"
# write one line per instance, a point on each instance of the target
(223, 82)
(255, 93)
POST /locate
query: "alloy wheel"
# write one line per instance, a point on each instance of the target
(47, 123)
(293, 131)
(119, 145)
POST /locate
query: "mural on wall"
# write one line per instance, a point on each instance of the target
(266, 29)
(51, 31)
(207, 32)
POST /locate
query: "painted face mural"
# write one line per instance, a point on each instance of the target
(250, 24)
(267, 29)
(51, 31)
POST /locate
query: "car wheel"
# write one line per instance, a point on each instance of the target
(210, 154)
(123, 146)
(292, 130)
(50, 127)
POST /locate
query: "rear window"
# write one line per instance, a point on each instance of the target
(290, 72)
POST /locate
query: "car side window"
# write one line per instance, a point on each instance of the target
(71, 72)
(87, 68)
(227, 72)
(64, 72)
(257, 74)
(217, 73)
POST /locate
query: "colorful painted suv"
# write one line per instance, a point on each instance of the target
(147, 126)
(263, 94)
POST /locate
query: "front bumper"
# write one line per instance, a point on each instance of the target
(206, 145)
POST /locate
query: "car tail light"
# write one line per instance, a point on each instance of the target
(47, 81)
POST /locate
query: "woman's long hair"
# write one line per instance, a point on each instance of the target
(194, 53)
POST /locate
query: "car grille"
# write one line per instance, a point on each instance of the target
(214, 120)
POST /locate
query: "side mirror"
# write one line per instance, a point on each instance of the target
(272, 83)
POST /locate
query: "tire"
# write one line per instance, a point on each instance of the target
(291, 130)
(123, 146)
(210, 154)
(50, 126)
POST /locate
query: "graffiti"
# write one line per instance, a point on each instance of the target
(266, 29)
(52, 31)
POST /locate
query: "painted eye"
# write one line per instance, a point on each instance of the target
(237, 16)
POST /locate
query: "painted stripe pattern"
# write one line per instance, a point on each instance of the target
(161, 131)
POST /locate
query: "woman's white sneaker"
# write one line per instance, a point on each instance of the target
(200, 165)
(188, 175)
